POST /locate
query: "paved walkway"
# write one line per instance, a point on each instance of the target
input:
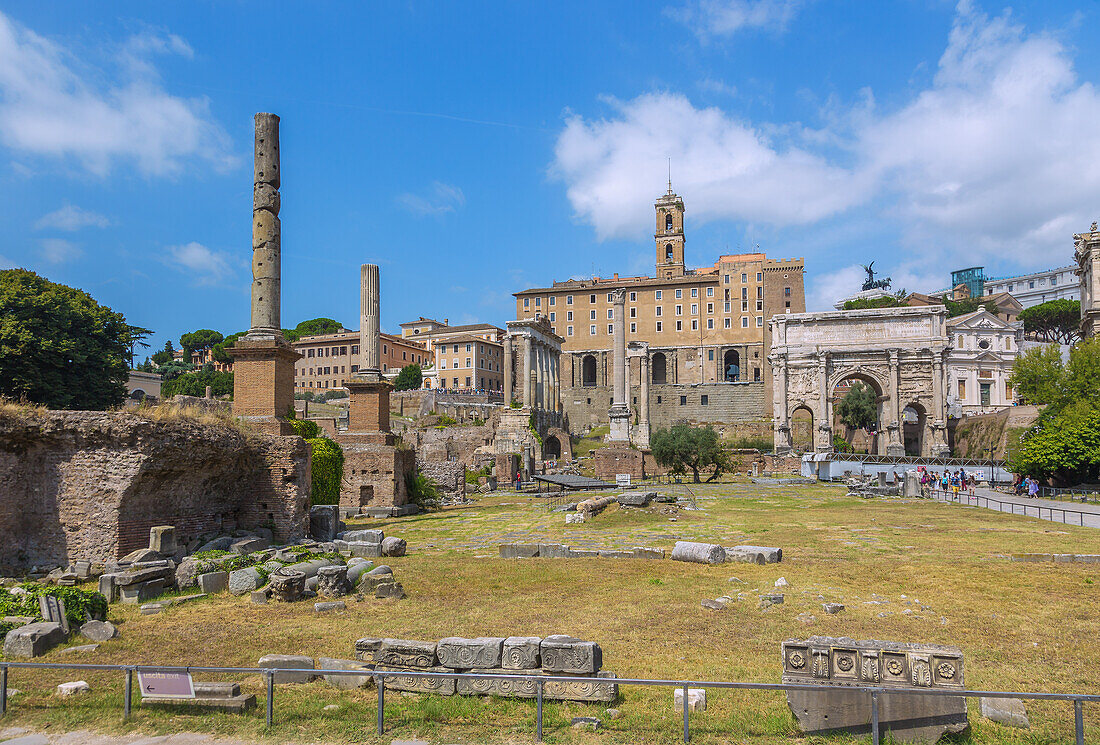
(1071, 513)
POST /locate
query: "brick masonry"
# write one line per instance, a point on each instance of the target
(89, 485)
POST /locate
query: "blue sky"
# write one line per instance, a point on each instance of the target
(476, 149)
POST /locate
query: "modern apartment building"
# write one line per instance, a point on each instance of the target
(328, 360)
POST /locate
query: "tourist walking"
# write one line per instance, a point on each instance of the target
(1033, 488)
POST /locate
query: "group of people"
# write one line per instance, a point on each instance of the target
(949, 482)
(1025, 485)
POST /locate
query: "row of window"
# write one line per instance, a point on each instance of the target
(727, 323)
(658, 294)
(659, 311)
(332, 351)
(480, 363)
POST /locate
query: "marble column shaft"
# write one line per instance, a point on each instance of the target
(266, 228)
(369, 322)
(619, 340)
(525, 368)
(507, 370)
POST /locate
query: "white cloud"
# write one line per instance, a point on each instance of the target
(51, 106)
(59, 250)
(725, 168)
(207, 267)
(826, 289)
(71, 218)
(991, 160)
(439, 200)
(726, 17)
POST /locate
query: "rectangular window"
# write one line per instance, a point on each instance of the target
(710, 323)
(694, 324)
(760, 305)
(694, 309)
(552, 316)
(456, 348)
(526, 302)
(695, 292)
(744, 278)
(658, 309)
(726, 279)
(962, 389)
(610, 329)
(726, 307)
(568, 330)
(679, 325)
(683, 400)
(553, 300)
(710, 307)
(659, 326)
(633, 328)
(744, 305)
(592, 315)
(658, 399)
(679, 293)
(538, 302)
(592, 330)
(744, 322)
(592, 299)
(710, 355)
(633, 312)
(726, 323)
(610, 313)
(656, 294)
(633, 297)
(704, 400)
(467, 362)
(679, 310)
(569, 315)
(786, 292)
(760, 322)
(759, 276)
(456, 364)
(568, 299)
(744, 293)
(710, 292)
(1053, 281)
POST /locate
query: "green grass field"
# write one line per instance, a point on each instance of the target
(913, 571)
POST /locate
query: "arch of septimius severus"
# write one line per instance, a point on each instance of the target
(899, 352)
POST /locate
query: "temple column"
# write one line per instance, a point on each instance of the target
(620, 410)
(370, 347)
(527, 372)
(940, 448)
(641, 438)
(894, 446)
(507, 365)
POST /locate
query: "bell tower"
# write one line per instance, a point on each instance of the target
(670, 234)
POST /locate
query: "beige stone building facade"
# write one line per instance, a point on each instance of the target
(979, 364)
(705, 330)
(1086, 251)
(329, 360)
(467, 362)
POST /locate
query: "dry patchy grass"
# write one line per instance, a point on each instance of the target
(906, 570)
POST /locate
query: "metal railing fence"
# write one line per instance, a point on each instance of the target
(874, 692)
(1015, 508)
(1071, 494)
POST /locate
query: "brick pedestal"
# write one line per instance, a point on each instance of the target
(613, 460)
(263, 382)
(369, 411)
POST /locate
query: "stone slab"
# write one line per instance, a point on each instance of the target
(1007, 711)
(641, 552)
(99, 631)
(697, 700)
(565, 654)
(613, 554)
(519, 550)
(232, 704)
(346, 682)
(213, 582)
(365, 550)
(406, 653)
(553, 551)
(755, 554)
(366, 647)
(458, 653)
(289, 663)
(369, 536)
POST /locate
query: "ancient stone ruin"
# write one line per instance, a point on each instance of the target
(839, 663)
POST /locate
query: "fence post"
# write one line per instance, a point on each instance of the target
(3, 689)
(687, 735)
(127, 693)
(538, 729)
(1079, 721)
(270, 715)
(874, 718)
(381, 701)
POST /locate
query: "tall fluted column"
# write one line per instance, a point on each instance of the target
(526, 368)
(507, 364)
(642, 436)
(266, 239)
(540, 377)
(369, 327)
(619, 414)
(555, 367)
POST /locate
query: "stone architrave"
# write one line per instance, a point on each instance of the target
(440, 686)
(405, 653)
(838, 663)
(464, 654)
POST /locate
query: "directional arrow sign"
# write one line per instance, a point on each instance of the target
(166, 685)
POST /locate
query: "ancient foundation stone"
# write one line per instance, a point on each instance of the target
(212, 582)
(560, 653)
(288, 662)
(287, 585)
(521, 653)
(441, 686)
(406, 653)
(332, 582)
(33, 639)
(346, 682)
(242, 581)
(99, 631)
(755, 554)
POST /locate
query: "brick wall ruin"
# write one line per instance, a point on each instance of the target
(89, 485)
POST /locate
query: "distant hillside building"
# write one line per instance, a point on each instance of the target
(1038, 287)
(328, 360)
(979, 363)
(704, 331)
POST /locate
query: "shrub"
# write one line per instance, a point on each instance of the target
(305, 429)
(422, 490)
(841, 445)
(473, 476)
(446, 421)
(80, 605)
(327, 470)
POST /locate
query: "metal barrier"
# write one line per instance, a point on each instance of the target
(1073, 494)
(1016, 508)
(380, 676)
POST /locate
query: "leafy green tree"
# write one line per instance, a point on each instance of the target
(409, 379)
(1064, 446)
(865, 303)
(194, 384)
(684, 447)
(859, 407)
(1039, 377)
(1055, 321)
(174, 369)
(312, 327)
(219, 349)
(164, 356)
(1082, 380)
(198, 341)
(968, 305)
(58, 346)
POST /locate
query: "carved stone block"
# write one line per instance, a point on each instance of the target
(442, 686)
(405, 653)
(465, 654)
(521, 653)
(522, 687)
(565, 654)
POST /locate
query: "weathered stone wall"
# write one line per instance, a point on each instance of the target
(974, 435)
(374, 474)
(670, 403)
(89, 485)
(459, 443)
(449, 476)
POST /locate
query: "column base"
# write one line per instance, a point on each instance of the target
(941, 451)
(620, 425)
(894, 450)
